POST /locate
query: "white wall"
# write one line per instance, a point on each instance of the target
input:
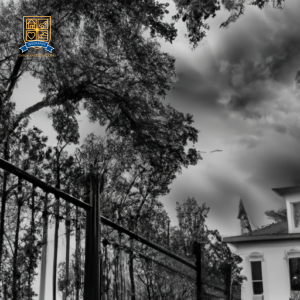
(275, 268)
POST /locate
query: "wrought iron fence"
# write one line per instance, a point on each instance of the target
(112, 260)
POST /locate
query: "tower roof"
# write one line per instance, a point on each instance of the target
(242, 210)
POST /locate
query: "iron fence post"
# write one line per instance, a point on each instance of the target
(228, 282)
(197, 246)
(92, 247)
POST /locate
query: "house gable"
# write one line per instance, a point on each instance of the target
(271, 254)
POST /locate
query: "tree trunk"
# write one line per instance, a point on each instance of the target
(131, 267)
(3, 202)
(151, 284)
(31, 238)
(44, 251)
(106, 272)
(131, 272)
(3, 208)
(56, 229)
(55, 248)
(121, 273)
(117, 273)
(102, 275)
(102, 287)
(148, 288)
(16, 248)
(67, 223)
(168, 241)
(5, 292)
(77, 254)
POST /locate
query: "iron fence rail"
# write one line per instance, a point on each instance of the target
(93, 235)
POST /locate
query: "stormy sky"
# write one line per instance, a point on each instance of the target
(240, 86)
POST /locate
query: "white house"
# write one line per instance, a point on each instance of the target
(271, 255)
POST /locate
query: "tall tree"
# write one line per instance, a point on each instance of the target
(216, 255)
(121, 78)
(66, 127)
(59, 163)
(105, 62)
(26, 152)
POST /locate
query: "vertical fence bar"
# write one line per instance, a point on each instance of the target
(197, 250)
(228, 282)
(92, 262)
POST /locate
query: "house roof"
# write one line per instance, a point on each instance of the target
(287, 190)
(275, 228)
(276, 231)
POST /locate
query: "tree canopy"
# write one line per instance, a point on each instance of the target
(109, 60)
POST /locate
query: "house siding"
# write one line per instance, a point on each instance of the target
(275, 268)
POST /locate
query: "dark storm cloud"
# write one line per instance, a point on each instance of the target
(199, 88)
(281, 128)
(193, 84)
(263, 76)
(272, 164)
(242, 93)
(240, 103)
(262, 57)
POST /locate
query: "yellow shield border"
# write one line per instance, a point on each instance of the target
(25, 30)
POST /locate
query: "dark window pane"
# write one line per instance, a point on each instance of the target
(258, 288)
(256, 270)
(295, 273)
(296, 210)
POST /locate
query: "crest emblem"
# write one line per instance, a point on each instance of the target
(37, 32)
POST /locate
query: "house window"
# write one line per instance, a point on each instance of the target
(257, 278)
(295, 273)
(296, 214)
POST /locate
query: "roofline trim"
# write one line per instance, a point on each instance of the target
(262, 238)
(286, 190)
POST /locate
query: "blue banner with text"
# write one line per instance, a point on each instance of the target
(36, 44)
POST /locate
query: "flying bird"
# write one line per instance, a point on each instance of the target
(216, 151)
